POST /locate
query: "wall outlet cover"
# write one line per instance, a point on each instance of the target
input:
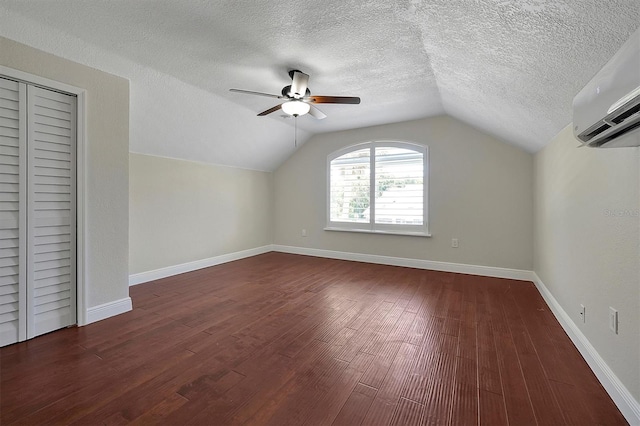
(613, 320)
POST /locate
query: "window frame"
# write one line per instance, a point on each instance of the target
(371, 226)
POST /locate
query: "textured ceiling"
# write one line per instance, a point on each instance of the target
(510, 68)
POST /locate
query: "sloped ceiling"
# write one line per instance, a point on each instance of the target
(510, 68)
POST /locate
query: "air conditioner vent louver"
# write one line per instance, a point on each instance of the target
(618, 123)
(615, 134)
(593, 131)
(628, 113)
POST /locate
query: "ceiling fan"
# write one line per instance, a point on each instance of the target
(298, 99)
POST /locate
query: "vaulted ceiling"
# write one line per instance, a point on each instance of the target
(509, 68)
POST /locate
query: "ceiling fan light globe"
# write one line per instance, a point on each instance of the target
(296, 108)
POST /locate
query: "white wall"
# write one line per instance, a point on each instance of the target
(106, 165)
(182, 211)
(587, 244)
(481, 192)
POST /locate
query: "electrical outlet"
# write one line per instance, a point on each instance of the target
(613, 320)
(454, 242)
(304, 232)
(583, 313)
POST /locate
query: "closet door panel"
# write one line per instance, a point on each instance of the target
(12, 212)
(52, 211)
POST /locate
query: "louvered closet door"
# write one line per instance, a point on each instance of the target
(12, 212)
(51, 217)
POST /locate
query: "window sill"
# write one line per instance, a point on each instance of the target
(369, 231)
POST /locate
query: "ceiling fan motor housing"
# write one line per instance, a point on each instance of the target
(286, 92)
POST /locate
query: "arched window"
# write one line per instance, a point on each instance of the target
(378, 187)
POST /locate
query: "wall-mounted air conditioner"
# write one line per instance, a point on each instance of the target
(606, 112)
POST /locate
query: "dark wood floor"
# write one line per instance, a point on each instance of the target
(283, 339)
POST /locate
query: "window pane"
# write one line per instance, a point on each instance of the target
(399, 186)
(349, 180)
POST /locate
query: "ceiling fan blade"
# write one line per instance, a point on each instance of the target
(270, 110)
(316, 113)
(299, 84)
(249, 92)
(334, 100)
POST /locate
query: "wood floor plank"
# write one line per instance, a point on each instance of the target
(492, 410)
(544, 404)
(377, 371)
(356, 407)
(519, 408)
(103, 386)
(438, 402)
(467, 346)
(158, 414)
(464, 410)
(389, 391)
(301, 400)
(273, 377)
(402, 327)
(415, 334)
(408, 413)
(289, 339)
(575, 409)
(328, 405)
(365, 334)
(488, 370)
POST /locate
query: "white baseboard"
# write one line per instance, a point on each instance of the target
(110, 309)
(487, 271)
(627, 404)
(169, 271)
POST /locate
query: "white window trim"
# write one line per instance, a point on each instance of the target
(372, 227)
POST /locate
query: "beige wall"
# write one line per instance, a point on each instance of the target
(182, 211)
(106, 164)
(587, 243)
(481, 192)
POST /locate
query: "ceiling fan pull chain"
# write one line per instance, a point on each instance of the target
(295, 131)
